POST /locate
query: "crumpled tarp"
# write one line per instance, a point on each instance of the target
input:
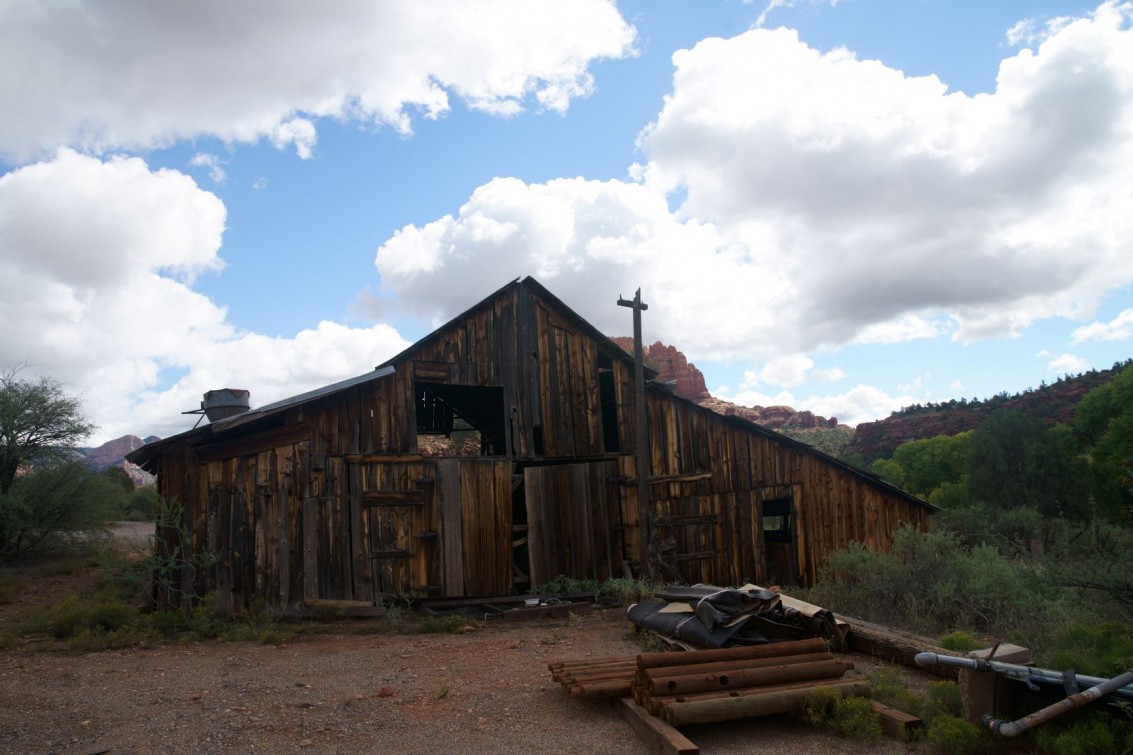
(714, 617)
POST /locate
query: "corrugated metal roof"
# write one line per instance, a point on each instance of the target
(279, 406)
(143, 455)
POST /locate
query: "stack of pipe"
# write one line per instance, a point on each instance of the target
(713, 685)
(595, 677)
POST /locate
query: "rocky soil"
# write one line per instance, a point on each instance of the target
(352, 687)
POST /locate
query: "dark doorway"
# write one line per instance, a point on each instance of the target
(777, 523)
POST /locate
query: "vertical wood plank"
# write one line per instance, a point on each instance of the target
(452, 527)
(310, 548)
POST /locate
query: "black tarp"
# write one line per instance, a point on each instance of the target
(729, 616)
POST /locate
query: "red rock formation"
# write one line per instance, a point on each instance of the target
(671, 364)
(112, 453)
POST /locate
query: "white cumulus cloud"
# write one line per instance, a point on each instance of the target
(97, 268)
(825, 200)
(138, 74)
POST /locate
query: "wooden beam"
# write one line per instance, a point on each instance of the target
(664, 478)
(324, 603)
(382, 458)
(392, 497)
(896, 723)
(657, 735)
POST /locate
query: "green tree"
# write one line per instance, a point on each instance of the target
(39, 423)
(1104, 421)
(121, 478)
(1017, 461)
(46, 508)
(932, 462)
(46, 492)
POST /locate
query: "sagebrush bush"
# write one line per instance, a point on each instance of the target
(888, 689)
(961, 642)
(100, 613)
(850, 716)
(1101, 649)
(565, 584)
(943, 700)
(1097, 733)
(626, 590)
(955, 736)
(930, 582)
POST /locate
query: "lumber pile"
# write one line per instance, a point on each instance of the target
(713, 685)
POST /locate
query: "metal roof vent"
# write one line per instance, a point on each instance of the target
(225, 402)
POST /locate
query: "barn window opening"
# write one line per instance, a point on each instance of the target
(607, 395)
(777, 520)
(461, 420)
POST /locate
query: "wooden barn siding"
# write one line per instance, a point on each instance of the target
(716, 520)
(546, 366)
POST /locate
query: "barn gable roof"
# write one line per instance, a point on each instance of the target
(605, 343)
(251, 420)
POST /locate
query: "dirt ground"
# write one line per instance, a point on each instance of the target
(485, 691)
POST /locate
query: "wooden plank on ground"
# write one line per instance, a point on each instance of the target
(897, 723)
(657, 735)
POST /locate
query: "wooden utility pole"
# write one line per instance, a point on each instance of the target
(644, 504)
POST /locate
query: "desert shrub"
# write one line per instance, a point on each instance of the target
(1097, 733)
(955, 736)
(144, 504)
(397, 615)
(849, 716)
(889, 690)
(9, 586)
(931, 581)
(1101, 649)
(97, 614)
(625, 590)
(43, 511)
(960, 642)
(565, 584)
(943, 700)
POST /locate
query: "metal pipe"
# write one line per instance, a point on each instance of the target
(1077, 700)
(1029, 675)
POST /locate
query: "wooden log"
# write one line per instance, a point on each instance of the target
(896, 646)
(749, 677)
(655, 733)
(777, 649)
(750, 706)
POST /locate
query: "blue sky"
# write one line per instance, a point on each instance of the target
(844, 207)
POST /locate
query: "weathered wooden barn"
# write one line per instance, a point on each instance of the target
(494, 454)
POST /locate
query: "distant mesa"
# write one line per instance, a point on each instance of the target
(112, 453)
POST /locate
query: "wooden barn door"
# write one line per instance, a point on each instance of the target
(570, 521)
(474, 501)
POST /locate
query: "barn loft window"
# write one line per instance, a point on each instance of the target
(469, 417)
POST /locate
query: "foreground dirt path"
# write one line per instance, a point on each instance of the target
(487, 691)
